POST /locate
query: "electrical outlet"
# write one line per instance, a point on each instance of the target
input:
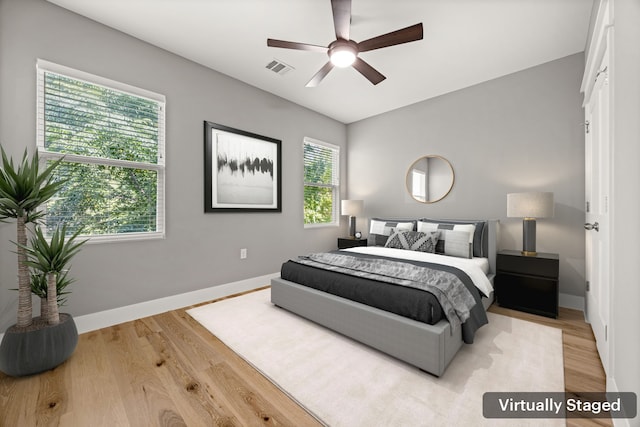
(243, 253)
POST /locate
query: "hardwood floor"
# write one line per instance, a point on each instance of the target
(583, 370)
(167, 370)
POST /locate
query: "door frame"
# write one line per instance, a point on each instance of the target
(601, 44)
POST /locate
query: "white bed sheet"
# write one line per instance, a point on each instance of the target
(476, 268)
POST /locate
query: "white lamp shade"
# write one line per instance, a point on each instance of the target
(352, 207)
(530, 205)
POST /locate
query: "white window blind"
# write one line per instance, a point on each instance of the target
(321, 182)
(111, 139)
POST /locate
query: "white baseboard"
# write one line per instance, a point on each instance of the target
(571, 301)
(103, 319)
(612, 387)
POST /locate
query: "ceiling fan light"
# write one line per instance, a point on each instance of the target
(342, 57)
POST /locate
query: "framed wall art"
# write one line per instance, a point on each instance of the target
(243, 171)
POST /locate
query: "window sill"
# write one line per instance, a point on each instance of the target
(124, 237)
(322, 225)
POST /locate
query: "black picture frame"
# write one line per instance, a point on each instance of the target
(242, 171)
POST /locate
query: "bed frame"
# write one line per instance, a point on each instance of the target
(429, 347)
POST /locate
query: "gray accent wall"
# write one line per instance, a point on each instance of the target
(200, 250)
(520, 132)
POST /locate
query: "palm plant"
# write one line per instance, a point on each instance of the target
(50, 258)
(39, 286)
(23, 189)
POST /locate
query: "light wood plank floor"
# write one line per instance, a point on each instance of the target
(167, 370)
(583, 370)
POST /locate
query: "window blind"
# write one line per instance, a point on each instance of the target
(321, 163)
(321, 182)
(111, 138)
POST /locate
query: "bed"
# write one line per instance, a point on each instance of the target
(430, 347)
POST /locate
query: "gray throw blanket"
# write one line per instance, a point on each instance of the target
(452, 294)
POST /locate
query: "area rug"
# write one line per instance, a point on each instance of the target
(344, 383)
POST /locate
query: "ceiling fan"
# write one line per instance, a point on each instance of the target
(343, 52)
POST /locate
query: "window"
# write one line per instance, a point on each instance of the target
(419, 185)
(111, 138)
(321, 182)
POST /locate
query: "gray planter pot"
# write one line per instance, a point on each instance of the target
(39, 348)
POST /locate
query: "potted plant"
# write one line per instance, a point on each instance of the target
(53, 336)
(49, 259)
(24, 188)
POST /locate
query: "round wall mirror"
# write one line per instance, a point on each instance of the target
(430, 179)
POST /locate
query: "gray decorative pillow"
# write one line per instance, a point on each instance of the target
(480, 235)
(450, 234)
(413, 240)
(380, 229)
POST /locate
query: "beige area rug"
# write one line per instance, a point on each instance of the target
(344, 383)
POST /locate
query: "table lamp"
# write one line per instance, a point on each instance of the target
(529, 206)
(352, 208)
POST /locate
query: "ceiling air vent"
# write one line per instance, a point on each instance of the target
(279, 67)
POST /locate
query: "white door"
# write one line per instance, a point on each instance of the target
(597, 139)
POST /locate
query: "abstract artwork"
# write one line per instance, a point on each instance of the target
(242, 171)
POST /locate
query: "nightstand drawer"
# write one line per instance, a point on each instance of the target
(527, 293)
(528, 283)
(347, 242)
(541, 265)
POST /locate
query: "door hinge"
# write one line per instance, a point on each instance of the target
(588, 207)
(603, 71)
(606, 332)
(588, 286)
(586, 126)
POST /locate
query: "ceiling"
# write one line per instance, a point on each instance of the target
(465, 43)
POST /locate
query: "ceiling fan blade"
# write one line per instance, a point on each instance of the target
(341, 17)
(405, 35)
(295, 45)
(368, 71)
(315, 80)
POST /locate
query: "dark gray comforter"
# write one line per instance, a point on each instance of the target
(421, 291)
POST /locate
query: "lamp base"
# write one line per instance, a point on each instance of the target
(529, 237)
(352, 226)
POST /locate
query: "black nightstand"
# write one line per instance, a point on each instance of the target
(528, 283)
(348, 242)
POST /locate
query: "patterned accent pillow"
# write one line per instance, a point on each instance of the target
(413, 241)
(449, 241)
(480, 243)
(381, 229)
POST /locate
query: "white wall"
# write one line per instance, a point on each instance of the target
(201, 250)
(516, 133)
(625, 316)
